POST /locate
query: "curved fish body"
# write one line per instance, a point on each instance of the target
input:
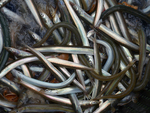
(75, 103)
(10, 84)
(106, 30)
(78, 23)
(86, 4)
(80, 28)
(36, 37)
(110, 53)
(56, 18)
(58, 99)
(64, 70)
(34, 12)
(79, 72)
(105, 104)
(121, 21)
(8, 104)
(1, 39)
(25, 70)
(48, 24)
(146, 10)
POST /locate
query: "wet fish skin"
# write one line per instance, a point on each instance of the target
(64, 91)
(106, 30)
(58, 99)
(48, 24)
(80, 28)
(66, 49)
(37, 37)
(3, 3)
(34, 12)
(39, 83)
(56, 18)
(18, 52)
(13, 16)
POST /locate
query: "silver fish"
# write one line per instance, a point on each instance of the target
(100, 7)
(56, 18)
(39, 83)
(25, 71)
(67, 49)
(3, 2)
(34, 12)
(4, 103)
(26, 60)
(64, 70)
(64, 91)
(80, 27)
(79, 72)
(109, 51)
(13, 16)
(18, 52)
(86, 4)
(37, 38)
(106, 30)
(58, 99)
(49, 24)
(10, 84)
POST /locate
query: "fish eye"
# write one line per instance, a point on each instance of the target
(42, 14)
(33, 35)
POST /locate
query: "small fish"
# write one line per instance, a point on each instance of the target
(64, 91)
(86, 4)
(48, 24)
(100, 7)
(39, 83)
(34, 12)
(37, 38)
(57, 99)
(80, 28)
(13, 16)
(56, 18)
(17, 52)
(3, 3)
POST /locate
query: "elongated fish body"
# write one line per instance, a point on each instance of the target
(56, 18)
(18, 52)
(13, 16)
(34, 12)
(37, 38)
(58, 99)
(3, 3)
(80, 28)
(64, 91)
(86, 4)
(108, 31)
(48, 23)
(67, 49)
